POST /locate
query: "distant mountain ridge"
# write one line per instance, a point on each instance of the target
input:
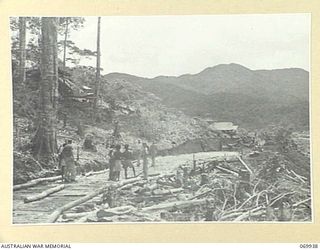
(252, 98)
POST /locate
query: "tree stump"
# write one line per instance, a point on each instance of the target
(88, 144)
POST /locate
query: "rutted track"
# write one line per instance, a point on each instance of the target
(39, 211)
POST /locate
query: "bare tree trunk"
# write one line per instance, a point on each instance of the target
(44, 143)
(65, 43)
(43, 194)
(97, 89)
(22, 49)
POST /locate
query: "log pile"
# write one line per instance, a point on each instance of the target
(213, 191)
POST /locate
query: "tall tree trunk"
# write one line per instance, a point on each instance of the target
(44, 143)
(97, 87)
(65, 43)
(22, 49)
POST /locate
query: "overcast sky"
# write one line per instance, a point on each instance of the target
(174, 45)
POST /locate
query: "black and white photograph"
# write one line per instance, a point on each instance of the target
(161, 119)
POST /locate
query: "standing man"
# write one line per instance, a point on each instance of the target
(117, 156)
(145, 154)
(68, 159)
(139, 153)
(153, 153)
(62, 164)
(127, 161)
(111, 162)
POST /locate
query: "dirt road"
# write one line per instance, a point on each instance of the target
(39, 211)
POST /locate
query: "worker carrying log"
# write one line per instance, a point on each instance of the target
(67, 163)
(127, 161)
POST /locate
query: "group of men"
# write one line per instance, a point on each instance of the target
(119, 160)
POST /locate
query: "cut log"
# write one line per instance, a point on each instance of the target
(169, 191)
(95, 173)
(55, 215)
(204, 192)
(244, 164)
(166, 183)
(177, 204)
(116, 211)
(95, 215)
(130, 185)
(36, 182)
(152, 187)
(226, 170)
(146, 189)
(239, 214)
(75, 215)
(141, 182)
(150, 198)
(150, 175)
(44, 194)
(253, 212)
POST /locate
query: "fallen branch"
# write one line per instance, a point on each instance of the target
(226, 170)
(204, 193)
(103, 213)
(75, 215)
(115, 211)
(246, 201)
(245, 165)
(301, 178)
(233, 213)
(292, 178)
(165, 183)
(55, 215)
(170, 191)
(254, 212)
(36, 182)
(279, 197)
(301, 202)
(176, 204)
(44, 194)
(95, 173)
(130, 185)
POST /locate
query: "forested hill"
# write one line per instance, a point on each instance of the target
(251, 98)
